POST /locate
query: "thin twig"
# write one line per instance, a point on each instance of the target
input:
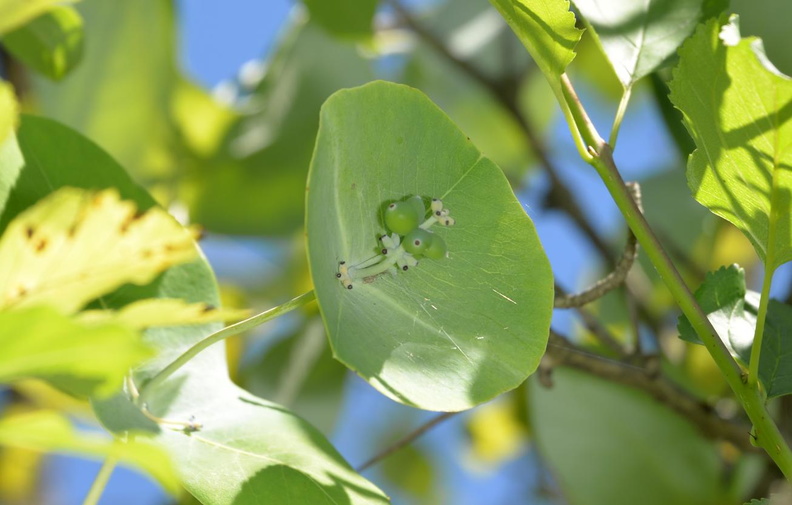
(406, 440)
(561, 352)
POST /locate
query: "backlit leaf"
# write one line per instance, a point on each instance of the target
(162, 312)
(75, 246)
(15, 13)
(738, 109)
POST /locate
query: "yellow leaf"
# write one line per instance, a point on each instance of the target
(9, 110)
(76, 245)
(15, 13)
(496, 433)
(153, 312)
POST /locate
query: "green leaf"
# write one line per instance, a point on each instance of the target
(15, 13)
(763, 501)
(732, 311)
(638, 37)
(77, 245)
(737, 108)
(722, 298)
(345, 18)
(647, 453)
(245, 440)
(268, 152)
(9, 112)
(51, 432)
(449, 333)
(162, 312)
(87, 360)
(547, 29)
(120, 95)
(51, 44)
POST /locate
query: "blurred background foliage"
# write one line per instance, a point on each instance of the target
(232, 155)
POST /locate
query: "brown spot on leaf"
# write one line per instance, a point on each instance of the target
(29, 231)
(41, 245)
(208, 308)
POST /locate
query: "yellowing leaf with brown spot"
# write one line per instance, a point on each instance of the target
(76, 245)
(153, 312)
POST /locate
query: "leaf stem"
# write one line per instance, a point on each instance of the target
(228, 331)
(617, 121)
(101, 480)
(756, 346)
(753, 402)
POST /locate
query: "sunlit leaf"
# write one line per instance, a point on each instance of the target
(647, 453)
(15, 13)
(51, 432)
(39, 342)
(162, 312)
(737, 107)
(449, 333)
(638, 37)
(547, 29)
(51, 44)
(75, 246)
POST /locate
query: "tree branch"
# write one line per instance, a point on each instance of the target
(405, 440)
(563, 353)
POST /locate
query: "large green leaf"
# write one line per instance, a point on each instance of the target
(120, 94)
(346, 18)
(51, 44)
(267, 153)
(637, 37)
(51, 432)
(612, 444)
(547, 29)
(257, 448)
(449, 333)
(738, 107)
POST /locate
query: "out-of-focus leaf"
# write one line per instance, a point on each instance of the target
(76, 245)
(202, 120)
(345, 18)
(450, 333)
(9, 113)
(120, 94)
(87, 360)
(496, 432)
(410, 470)
(547, 29)
(258, 186)
(646, 453)
(15, 13)
(51, 432)
(638, 37)
(51, 44)
(737, 108)
(162, 312)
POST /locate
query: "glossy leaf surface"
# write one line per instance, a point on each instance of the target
(450, 333)
(738, 109)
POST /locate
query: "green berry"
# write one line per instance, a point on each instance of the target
(417, 241)
(419, 206)
(402, 217)
(437, 247)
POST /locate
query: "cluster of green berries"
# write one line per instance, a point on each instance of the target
(409, 241)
